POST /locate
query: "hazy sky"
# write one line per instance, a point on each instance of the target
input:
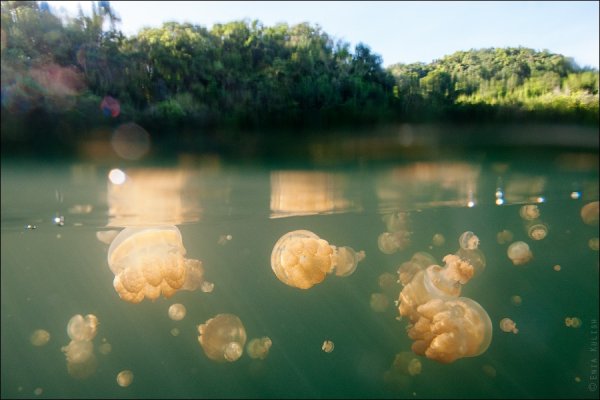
(399, 31)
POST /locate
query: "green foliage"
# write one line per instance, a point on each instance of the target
(242, 74)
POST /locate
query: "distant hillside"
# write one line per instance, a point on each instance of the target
(69, 77)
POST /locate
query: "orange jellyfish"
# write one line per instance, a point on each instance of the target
(589, 213)
(434, 282)
(39, 337)
(301, 259)
(447, 330)
(148, 261)
(222, 337)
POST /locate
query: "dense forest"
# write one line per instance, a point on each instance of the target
(63, 77)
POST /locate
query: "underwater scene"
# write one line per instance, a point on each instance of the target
(451, 277)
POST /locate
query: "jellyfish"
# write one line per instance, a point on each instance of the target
(474, 257)
(529, 212)
(468, 241)
(406, 363)
(516, 300)
(519, 253)
(82, 329)
(301, 259)
(447, 330)
(508, 325)
(434, 282)
(148, 261)
(177, 312)
(379, 302)
(124, 378)
(593, 244)
(175, 332)
(105, 348)
(396, 221)
(504, 236)
(222, 337)
(489, 370)
(557, 268)
(572, 322)
(39, 337)
(327, 346)
(391, 242)
(419, 261)
(258, 348)
(537, 230)
(438, 240)
(589, 213)
(81, 360)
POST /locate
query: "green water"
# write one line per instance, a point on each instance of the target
(53, 272)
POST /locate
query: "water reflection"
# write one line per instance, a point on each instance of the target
(428, 184)
(309, 192)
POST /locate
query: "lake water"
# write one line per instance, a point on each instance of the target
(231, 215)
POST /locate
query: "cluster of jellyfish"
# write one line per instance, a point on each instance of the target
(397, 236)
(444, 326)
(81, 360)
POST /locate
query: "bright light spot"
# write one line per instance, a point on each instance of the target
(116, 176)
(471, 204)
(499, 201)
(540, 199)
(575, 195)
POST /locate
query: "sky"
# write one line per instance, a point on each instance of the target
(399, 31)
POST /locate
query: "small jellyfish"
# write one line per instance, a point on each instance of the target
(387, 281)
(78, 351)
(207, 287)
(519, 253)
(148, 261)
(80, 328)
(589, 213)
(556, 268)
(177, 312)
(301, 259)
(593, 243)
(175, 332)
(508, 325)
(38, 391)
(39, 337)
(537, 231)
(224, 239)
(438, 240)
(529, 212)
(222, 337)
(327, 346)
(391, 242)
(258, 348)
(572, 322)
(504, 236)
(516, 300)
(474, 257)
(407, 364)
(489, 370)
(379, 302)
(105, 348)
(124, 378)
(468, 241)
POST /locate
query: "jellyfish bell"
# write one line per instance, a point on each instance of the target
(590, 214)
(536, 230)
(519, 253)
(504, 236)
(80, 328)
(78, 351)
(124, 378)
(39, 337)
(149, 261)
(222, 337)
(301, 259)
(508, 325)
(451, 329)
(468, 241)
(406, 363)
(177, 312)
(379, 302)
(327, 346)
(529, 212)
(474, 257)
(258, 348)
(391, 242)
